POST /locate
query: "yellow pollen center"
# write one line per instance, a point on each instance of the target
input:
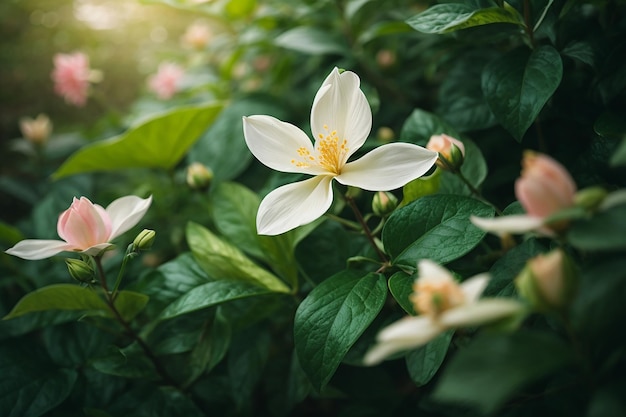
(330, 153)
(432, 297)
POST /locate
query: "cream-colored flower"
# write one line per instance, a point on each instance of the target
(341, 120)
(442, 304)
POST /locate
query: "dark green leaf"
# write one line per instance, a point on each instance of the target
(30, 386)
(605, 231)
(517, 86)
(436, 227)
(443, 18)
(424, 362)
(129, 362)
(246, 361)
(209, 295)
(157, 143)
(499, 366)
(130, 303)
(421, 125)
(474, 169)
(331, 319)
(504, 271)
(401, 287)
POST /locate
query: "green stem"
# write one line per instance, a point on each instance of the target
(128, 255)
(347, 223)
(469, 185)
(527, 24)
(366, 229)
(130, 332)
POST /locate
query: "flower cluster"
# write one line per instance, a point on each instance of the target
(72, 75)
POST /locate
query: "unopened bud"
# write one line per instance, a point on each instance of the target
(199, 176)
(590, 198)
(386, 58)
(384, 203)
(385, 134)
(144, 239)
(81, 271)
(548, 281)
(451, 151)
(36, 130)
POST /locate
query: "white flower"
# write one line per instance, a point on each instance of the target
(86, 227)
(341, 120)
(443, 304)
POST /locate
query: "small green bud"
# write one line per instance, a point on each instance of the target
(144, 239)
(81, 271)
(590, 198)
(384, 203)
(451, 151)
(199, 176)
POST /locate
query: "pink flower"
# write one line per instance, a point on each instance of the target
(86, 227)
(197, 36)
(71, 76)
(165, 82)
(544, 188)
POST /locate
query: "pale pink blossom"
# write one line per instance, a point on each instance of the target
(543, 189)
(71, 76)
(197, 36)
(166, 80)
(449, 148)
(86, 227)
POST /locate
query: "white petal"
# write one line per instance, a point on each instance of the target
(480, 312)
(275, 143)
(518, 223)
(125, 213)
(432, 270)
(473, 287)
(407, 333)
(340, 105)
(388, 167)
(292, 205)
(33, 249)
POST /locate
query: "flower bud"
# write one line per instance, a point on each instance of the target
(81, 271)
(36, 130)
(590, 198)
(385, 134)
(384, 203)
(199, 176)
(386, 58)
(545, 186)
(548, 281)
(451, 151)
(144, 239)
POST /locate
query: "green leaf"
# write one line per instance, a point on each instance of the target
(222, 147)
(498, 366)
(421, 125)
(401, 287)
(234, 211)
(505, 270)
(211, 348)
(58, 297)
(246, 360)
(130, 303)
(435, 227)
(156, 143)
(31, 386)
(312, 41)
(211, 294)
(238, 9)
(605, 231)
(223, 261)
(331, 319)
(420, 187)
(424, 362)
(74, 297)
(128, 362)
(9, 235)
(517, 86)
(443, 18)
